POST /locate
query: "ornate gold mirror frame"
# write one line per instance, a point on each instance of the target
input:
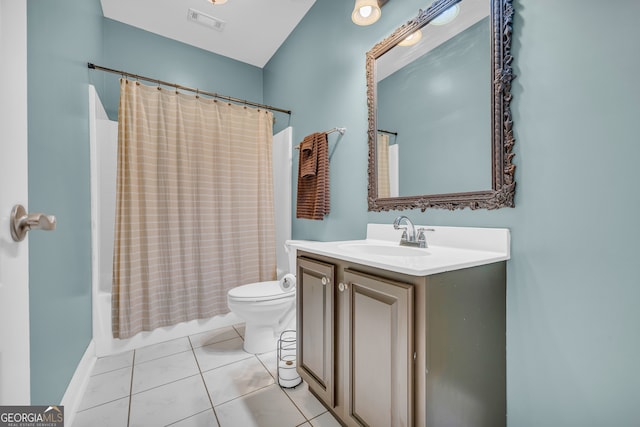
(502, 139)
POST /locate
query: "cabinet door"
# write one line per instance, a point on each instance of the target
(379, 369)
(315, 349)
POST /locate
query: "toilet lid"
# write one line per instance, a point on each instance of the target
(260, 291)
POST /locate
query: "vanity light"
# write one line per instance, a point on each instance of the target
(366, 12)
(411, 39)
(446, 16)
(217, 2)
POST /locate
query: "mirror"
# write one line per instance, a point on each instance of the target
(440, 128)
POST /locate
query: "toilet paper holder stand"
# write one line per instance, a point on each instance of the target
(287, 373)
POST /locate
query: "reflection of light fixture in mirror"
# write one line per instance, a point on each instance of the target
(411, 39)
(217, 2)
(366, 12)
(446, 16)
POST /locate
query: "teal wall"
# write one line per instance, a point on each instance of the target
(140, 52)
(573, 281)
(62, 36)
(319, 73)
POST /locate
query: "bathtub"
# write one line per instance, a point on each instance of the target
(106, 345)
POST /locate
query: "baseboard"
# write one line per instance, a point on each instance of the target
(78, 384)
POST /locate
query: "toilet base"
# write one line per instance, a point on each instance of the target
(259, 338)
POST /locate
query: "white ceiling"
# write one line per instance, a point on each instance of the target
(252, 33)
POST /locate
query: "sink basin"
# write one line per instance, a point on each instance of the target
(384, 250)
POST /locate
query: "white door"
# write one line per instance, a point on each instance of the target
(14, 257)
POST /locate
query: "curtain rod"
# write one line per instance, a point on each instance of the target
(177, 86)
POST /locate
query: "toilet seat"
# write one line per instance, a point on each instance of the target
(259, 291)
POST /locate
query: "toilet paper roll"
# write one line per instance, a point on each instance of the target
(288, 283)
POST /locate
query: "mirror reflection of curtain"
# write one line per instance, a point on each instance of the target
(382, 157)
(394, 170)
(388, 172)
(194, 213)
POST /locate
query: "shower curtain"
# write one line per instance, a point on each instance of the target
(194, 210)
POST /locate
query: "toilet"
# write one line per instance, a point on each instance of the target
(266, 309)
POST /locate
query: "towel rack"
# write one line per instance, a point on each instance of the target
(341, 131)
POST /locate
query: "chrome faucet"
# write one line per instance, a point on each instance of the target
(409, 234)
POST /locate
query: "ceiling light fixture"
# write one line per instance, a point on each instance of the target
(411, 39)
(446, 16)
(217, 2)
(366, 12)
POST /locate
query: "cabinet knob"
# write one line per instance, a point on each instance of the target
(342, 287)
(325, 280)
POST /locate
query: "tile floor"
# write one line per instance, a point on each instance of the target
(200, 380)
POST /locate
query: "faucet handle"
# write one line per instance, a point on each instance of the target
(404, 230)
(422, 239)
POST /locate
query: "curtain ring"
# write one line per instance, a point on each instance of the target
(197, 93)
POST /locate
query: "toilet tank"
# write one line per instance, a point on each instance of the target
(291, 259)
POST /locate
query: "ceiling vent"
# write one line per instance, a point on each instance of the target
(206, 20)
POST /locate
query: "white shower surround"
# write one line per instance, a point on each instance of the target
(103, 148)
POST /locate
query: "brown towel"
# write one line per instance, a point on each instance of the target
(313, 189)
(308, 156)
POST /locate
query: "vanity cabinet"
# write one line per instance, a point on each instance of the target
(380, 348)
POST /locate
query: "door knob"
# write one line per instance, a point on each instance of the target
(21, 222)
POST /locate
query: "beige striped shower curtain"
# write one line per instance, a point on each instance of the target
(194, 206)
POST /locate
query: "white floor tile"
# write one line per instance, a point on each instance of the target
(163, 371)
(169, 403)
(111, 363)
(240, 329)
(168, 388)
(269, 360)
(203, 419)
(212, 337)
(107, 387)
(268, 407)
(108, 415)
(220, 354)
(306, 402)
(235, 380)
(325, 420)
(162, 349)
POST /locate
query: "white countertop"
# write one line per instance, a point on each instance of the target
(450, 248)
